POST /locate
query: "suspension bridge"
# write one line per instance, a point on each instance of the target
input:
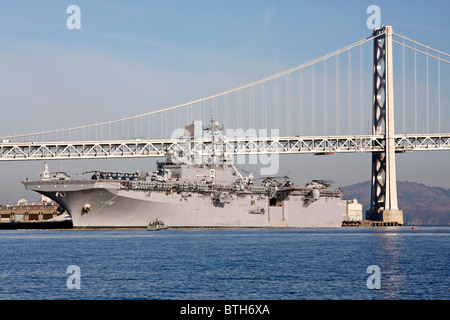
(319, 107)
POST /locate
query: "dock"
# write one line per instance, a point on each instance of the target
(371, 223)
(33, 215)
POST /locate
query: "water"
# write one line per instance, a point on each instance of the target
(231, 264)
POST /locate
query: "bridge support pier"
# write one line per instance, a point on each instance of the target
(384, 205)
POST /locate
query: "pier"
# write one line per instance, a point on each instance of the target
(371, 223)
(33, 215)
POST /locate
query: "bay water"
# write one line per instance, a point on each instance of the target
(381, 263)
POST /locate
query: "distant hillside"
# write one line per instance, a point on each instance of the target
(421, 205)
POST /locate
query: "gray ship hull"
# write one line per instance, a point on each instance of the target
(108, 204)
(196, 186)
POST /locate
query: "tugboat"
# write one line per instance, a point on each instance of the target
(156, 225)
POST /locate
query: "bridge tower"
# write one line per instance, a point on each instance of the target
(384, 206)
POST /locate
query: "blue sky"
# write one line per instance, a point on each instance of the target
(131, 57)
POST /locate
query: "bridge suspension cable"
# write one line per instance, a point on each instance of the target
(432, 83)
(126, 121)
(424, 46)
(321, 98)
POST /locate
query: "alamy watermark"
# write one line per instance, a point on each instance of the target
(234, 147)
(74, 280)
(374, 280)
(269, 161)
(74, 20)
(374, 20)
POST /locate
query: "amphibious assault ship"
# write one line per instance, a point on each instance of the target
(191, 190)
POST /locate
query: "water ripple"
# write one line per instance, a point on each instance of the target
(226, 263)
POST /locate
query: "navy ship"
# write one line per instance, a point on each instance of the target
(188, 190)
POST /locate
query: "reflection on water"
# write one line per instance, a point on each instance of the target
(411, 261)
(390, 258)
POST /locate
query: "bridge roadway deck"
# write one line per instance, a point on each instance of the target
(13, 151)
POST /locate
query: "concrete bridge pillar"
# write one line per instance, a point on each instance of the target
(384, 206)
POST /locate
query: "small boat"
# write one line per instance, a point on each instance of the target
(156, 225)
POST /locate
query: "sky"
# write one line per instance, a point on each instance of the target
(131, 57)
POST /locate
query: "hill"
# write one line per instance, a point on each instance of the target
(421, 204)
